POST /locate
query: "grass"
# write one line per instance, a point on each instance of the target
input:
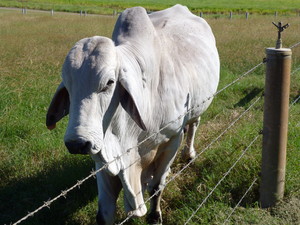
(207, 6)
(35, 165)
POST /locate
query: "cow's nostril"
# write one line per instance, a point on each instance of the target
(78, 146)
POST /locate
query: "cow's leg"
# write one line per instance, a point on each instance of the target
(162, 167)
(109, 188)
(188, 151)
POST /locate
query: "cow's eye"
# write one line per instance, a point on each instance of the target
(108, 84)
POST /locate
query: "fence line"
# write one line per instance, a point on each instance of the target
(93, 173)
(75, 8)
(254, 181)
(197, 155)
(239, 202)
(220, 181)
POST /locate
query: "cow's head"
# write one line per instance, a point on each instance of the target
(95, 82)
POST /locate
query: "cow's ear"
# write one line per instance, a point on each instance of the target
(131, 96)
(59, 107)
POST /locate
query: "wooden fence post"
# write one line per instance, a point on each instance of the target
(276, 108)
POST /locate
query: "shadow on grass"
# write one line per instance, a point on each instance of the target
(248, 98)
(27, 194)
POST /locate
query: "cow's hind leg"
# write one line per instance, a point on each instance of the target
(188, 151)
(167, 153)
(109, 188)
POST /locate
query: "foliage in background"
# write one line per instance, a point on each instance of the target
(207, 6)
(35, 165)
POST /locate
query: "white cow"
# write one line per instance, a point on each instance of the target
(117, 92)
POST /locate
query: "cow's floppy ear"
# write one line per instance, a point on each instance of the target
(131, 96)
(59, 107)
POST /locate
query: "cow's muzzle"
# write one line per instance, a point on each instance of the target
(79, 146)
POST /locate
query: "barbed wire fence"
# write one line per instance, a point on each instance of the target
(93, 173)
(256, 179)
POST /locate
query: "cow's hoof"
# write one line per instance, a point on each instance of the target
(154, 218)
(99, 218)
(188, 154)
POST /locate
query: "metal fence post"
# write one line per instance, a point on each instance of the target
(247, 15)
(276, 107)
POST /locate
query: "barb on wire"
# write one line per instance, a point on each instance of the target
(197, 155)
(242, 198)
(220, 181)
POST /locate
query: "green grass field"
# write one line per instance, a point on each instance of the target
(35, 166)
(210, 6)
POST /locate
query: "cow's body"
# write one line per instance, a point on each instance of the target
(155, 78)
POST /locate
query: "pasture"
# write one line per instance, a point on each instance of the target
(35, 165)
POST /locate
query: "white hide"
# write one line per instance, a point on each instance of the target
(156, 68)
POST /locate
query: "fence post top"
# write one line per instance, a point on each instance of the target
(281, 51)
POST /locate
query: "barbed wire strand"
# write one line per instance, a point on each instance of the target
(197, 155)
(298, 98)
(295, 45)
(239, 202)
(239, 78)
(220, 181)
(295, 101)
(295, 71)
(62, 194)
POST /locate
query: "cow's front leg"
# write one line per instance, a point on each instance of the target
(109, 188)
(188, 151)
(162, 165)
